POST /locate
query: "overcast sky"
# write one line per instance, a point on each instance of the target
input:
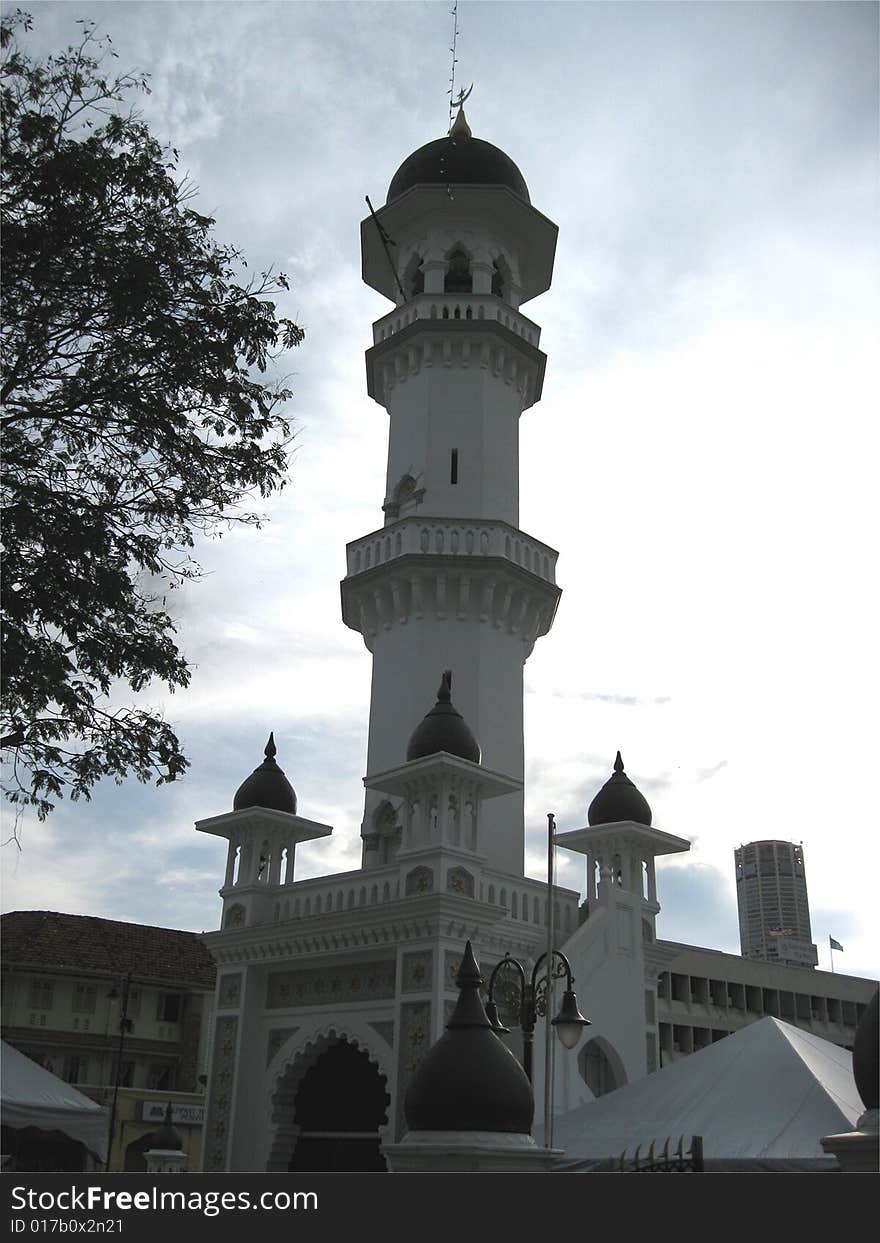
(703, 458)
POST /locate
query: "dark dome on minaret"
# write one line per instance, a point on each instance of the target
(458, 159)
(443, 729)
(267, 786)
(619, 800)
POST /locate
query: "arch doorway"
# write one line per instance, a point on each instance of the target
(340, 1106)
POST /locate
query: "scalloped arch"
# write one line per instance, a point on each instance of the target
(291, 1064)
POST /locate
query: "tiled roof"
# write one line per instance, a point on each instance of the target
(51, 941)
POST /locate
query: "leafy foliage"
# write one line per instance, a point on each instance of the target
(136, 413)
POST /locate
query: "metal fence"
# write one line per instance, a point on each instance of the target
(665, 1162)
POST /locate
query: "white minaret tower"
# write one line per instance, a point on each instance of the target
(450, 581)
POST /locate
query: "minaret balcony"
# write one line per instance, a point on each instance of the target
(451, 306)
(450, 538)
(441, 569)
(459, 331)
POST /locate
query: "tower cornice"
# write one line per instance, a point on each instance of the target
(475, 344)
(490, 590)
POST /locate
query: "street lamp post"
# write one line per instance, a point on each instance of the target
(534, 993)
(124, 1027)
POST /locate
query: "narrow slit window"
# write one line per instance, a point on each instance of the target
(453, 467)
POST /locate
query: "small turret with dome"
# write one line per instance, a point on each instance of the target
(262, 830)
(267, 786)
(621, 846)
(619, 799)
(443, 729)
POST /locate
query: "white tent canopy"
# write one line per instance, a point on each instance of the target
(769, 1091)
(34, 1097)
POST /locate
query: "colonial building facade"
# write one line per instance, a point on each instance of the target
(70, 981)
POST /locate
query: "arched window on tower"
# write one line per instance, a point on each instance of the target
(458, 273)
(501, 279)
(413, 277)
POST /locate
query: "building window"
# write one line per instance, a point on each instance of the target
(169, 1008)
(126, 1075)
(41, 994)
(85, 997)
(453, 467)
(161, 1078)
(76, 1069)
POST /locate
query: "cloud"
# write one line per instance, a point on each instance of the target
(701, 455)
(625, 701)
(698, 906)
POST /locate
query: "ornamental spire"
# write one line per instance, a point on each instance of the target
(459, 127)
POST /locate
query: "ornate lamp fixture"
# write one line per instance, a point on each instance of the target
(532, 998)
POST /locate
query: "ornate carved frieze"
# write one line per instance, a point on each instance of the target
(451, 964)
(415, 1040)
(229, 993)
(419, 880)
(221, 1093)
(323, 986)
(461, 881)
(417, 972)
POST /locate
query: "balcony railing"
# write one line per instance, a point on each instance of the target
(450, 306)
(448, 537)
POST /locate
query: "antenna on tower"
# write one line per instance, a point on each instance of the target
(386, 242)
(451, 91)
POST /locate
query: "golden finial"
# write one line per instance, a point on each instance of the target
(459, 127)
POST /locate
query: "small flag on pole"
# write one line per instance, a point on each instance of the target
(835, 945)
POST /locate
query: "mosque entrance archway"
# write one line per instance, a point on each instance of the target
(340, 1105)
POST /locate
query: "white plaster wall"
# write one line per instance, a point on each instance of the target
(470, 410)
(487, 689)
(608, 968)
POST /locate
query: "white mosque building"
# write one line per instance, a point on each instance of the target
(330, 990)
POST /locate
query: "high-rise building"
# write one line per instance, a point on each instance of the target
(774, 913)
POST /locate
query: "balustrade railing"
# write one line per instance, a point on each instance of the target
(451, 538)
(455, 306)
